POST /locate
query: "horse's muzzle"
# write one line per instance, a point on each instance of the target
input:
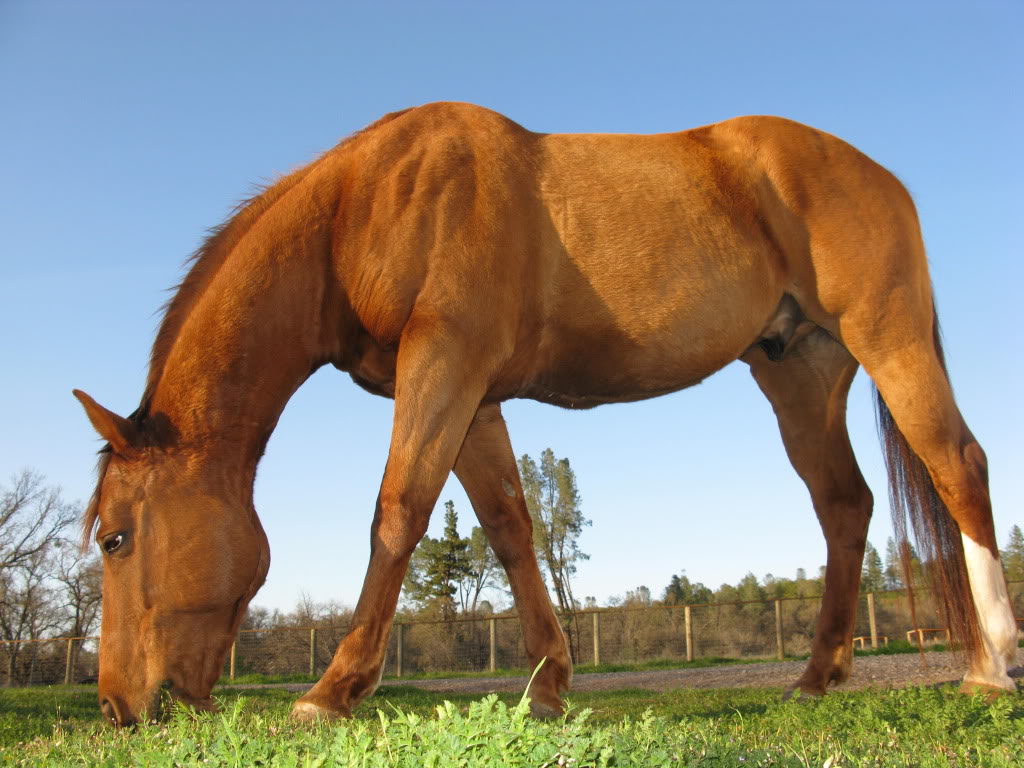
(160, 706)
(116, 713)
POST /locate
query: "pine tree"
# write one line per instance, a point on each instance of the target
(873, 577)
(681, 592)
(893, 570)
(895, 575)
(438, 566)
(1013, 555)
(673, 594)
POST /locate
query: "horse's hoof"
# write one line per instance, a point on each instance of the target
(800, 694)
(308, 712)
(989, 692)
(545, 711)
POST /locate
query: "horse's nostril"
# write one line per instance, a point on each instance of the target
(113, 713)
(109, 711)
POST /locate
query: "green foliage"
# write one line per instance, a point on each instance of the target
(438, 566)
(1013, 555)
(451, 567)
(578, 669)
(898, 646)
(404, 727)
(893, 569)
(750, 589)
(875, 577)
(872, 577)
(680, 591)
(553, 500)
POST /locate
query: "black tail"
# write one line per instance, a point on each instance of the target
(912, 497)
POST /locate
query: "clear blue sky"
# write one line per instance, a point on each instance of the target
(130, 128)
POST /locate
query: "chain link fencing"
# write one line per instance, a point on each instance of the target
(50, 661)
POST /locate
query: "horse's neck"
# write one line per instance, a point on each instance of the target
(254, 334)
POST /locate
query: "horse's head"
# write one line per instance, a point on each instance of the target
(183, 554)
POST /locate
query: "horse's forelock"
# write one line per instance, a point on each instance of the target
(91, 515)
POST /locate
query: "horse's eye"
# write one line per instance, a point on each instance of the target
(112, 543)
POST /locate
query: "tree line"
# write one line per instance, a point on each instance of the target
(876, 576)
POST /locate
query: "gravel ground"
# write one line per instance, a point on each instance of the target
(894, 671)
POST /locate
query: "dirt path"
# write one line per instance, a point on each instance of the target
(894, 671)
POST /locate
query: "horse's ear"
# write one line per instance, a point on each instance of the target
(116, 430)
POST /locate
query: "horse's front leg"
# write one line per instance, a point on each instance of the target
(439, 384)
(487, 469)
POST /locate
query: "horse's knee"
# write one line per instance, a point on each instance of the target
(398, 527)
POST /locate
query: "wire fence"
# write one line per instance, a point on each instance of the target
(773, 628)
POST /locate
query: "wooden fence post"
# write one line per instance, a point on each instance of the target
(871, 620)
(398, 654)
(231, 663)
(688, 618)
(69, 661)
(312, 652)
(779, 644)
(492, 659)
(597, 637)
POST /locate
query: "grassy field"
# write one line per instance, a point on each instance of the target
(403, 726)
(578, 669)
(897, 647)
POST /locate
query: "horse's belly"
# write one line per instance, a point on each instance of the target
(658, 271)
(595, 360)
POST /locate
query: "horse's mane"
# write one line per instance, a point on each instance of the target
(205, 262)
(211, 255)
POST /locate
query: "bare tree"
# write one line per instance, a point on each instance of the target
(28, 609)
(80, 579)
(482, 571)
(258, 618)
(32, 517)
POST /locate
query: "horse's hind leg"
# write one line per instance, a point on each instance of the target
(487, 469)
(808, 390)
(936, 465)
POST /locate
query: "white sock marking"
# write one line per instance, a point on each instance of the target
(998, 628)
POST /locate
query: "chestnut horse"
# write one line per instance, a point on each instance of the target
(451, 259)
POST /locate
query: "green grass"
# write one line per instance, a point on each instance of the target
(899, 646)
(578, 669)
(894, 647)
(902, 646)
(404, 726)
